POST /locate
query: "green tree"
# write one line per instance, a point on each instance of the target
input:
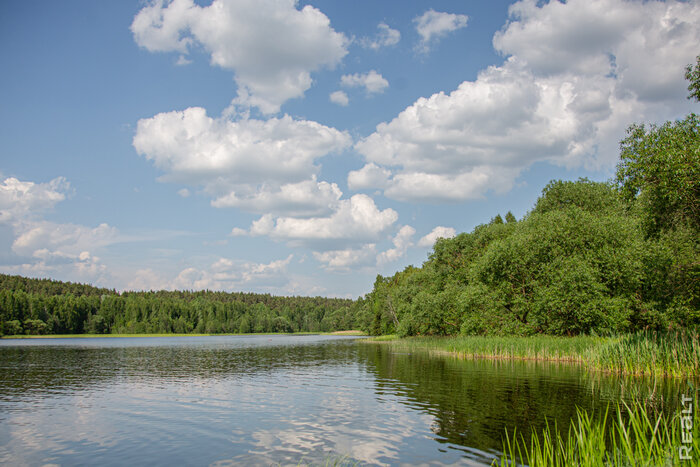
(659, 173)
(34, 326)
(13, 327)
(584, 194)
(244, 326)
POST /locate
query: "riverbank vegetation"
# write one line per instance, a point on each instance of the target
(634, 437)
(673, 354)
(581, 262)
(41, 306)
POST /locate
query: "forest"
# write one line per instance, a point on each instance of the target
(588, 258)
(42, 306)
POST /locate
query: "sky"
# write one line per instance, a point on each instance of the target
(302, 148)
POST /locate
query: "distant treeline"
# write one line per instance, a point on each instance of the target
(42, 306)
(588, 258)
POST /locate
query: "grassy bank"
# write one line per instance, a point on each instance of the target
(675, 354)
(635, 437)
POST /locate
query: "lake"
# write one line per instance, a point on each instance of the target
(276, 400)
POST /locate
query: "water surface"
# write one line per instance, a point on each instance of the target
(282, 400)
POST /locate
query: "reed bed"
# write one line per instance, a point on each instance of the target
(672, 354)
(635, 437)
(669, 353)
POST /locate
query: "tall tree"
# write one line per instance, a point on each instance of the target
(659, 170)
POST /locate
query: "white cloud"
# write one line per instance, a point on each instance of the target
(69, 240)
(19, 200)
(340, 98)
(76, 268)
(49, 248)
(372, 81)
(356, 220)
(255, 165)
(184, 192)
(437, 188)
(182, 61)
(145, 279)
(402, 241)
(568, 106)
(385, 37)
(307, 198)
(238, 232)
(369, 176)
(346, 259)
(438, 232)
(223, 274)
(270, 45)
(434, 25)
(366, 255)
(646, 45)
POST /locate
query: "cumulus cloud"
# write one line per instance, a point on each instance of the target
(307, 198)
(340, 98)
(369, 176)
(223, 274)
(356, 220)
(44, 248)
(366, 255)
(80, 268)
(402, 241)
(62, 239)
(385, 37)
(434, 25)
(270, 68)
(568, 105)
(645, 45)
(22, 199)
(255, 165)
(438, 232)
(372, 81)
(348, 258)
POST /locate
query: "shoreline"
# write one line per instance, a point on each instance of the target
(92, 336)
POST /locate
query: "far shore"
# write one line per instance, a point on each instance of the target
(81, 336)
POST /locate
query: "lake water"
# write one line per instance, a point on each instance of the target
(274, 400)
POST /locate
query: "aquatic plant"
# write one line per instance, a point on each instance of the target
(672, 353)
(635, 437)
(667, 353)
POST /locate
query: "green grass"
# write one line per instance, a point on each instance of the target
(635, 437)
(674, 354)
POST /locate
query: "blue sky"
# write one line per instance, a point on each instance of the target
(303, 147)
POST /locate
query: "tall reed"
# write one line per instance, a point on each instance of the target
(674, 354)
(634, 438)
